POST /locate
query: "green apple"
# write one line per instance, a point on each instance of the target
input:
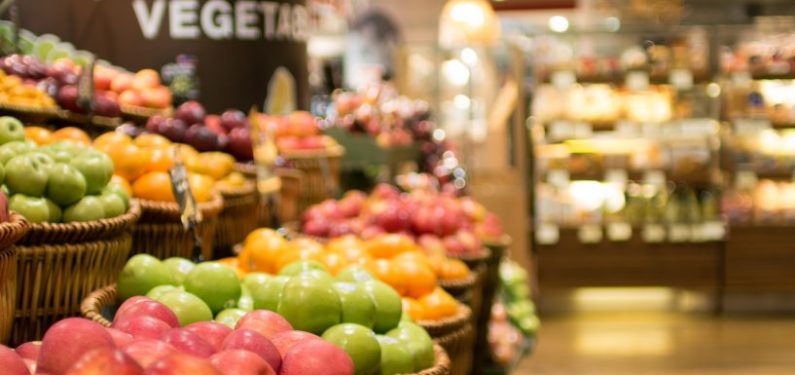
(214, 283)
(34, 209)
(360, 343)
(388, 305)
(418, 341)
(396, 358)
(354, 273)
(56, 214)
(301, 266)
(245, 302)
(229, 317)
(120, 192)
(87, 209)
(61, 152)
(112, 205)
(96, 167)
(11, 130)
(179, 268)
(158, 291)
(265, 291)
(142, 273)
(26, 175)
(187, 307)
(11, 149)
(46, 160)
(357, 306)
(310, 304)
(65, 185)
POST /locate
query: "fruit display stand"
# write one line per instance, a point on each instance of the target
(321, 173)
(362, 151)
(10, 233)
(58, 264)
(462, 290)
(160, 231)
(489, 281)
(456, 335)
(238, 217)
(289, 193)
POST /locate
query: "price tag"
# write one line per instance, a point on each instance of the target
(682, 79)
(558, 178)
(563, 79)
(751, 126)
(85, 87)
(561, 130)
(637, 80)
(190, 215)
(653, 233)
(713, 231)
(590, 233)
(619, 231)
(654, 177)
(745, 180)
(679, 233)
(616, 176)
(547, 234)
(742, 79)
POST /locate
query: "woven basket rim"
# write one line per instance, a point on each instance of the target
(329, 152)
(247, 188)
(505, 240)
(141, 111)
(210, 208)
(54, 230)
(12, 231)
(480, 256)
(467, 282)
(450, 323)
(132, 213)
(441, 362)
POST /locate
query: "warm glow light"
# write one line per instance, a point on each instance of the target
(455, 72)
(469, 56)
(468, 14)
(558, 24)
(462, 101)
(468, 22)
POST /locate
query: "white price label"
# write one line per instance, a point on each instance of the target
(679, 233)
(616, 176)
(742, 79)
(619, 231)
(558, 178)
(590, 233)
(654, 177)
(713, 231)
(563, 79)
(653, 233)
(637, 80)
(682, 79)
(547, 234)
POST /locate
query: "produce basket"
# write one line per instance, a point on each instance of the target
(287, 205)
(100, 306)
(490, 280)
(455, 335)
(160, 231)
(238, 217)
(321, 173)
(10, 233)
(58, 264)
(464, 289)
(29, 114)
(141, 114)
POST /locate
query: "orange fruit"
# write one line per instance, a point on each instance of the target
(155, 186)
(414, 257)
(244, 260)
(73, 134)
(418, 278)
(296, 254)
(438, 305)
(303, 243)
(390, 245)
(39, 135)
(149, 140)
(111, 139)
(201, 186)
(261, 232)
(413, 308)
(382, 270)
(334, 262)
(161, 159)
(453, 269)
(345, 242)
(129, 161)
(119, 181)
(262, 252)
(186, 152)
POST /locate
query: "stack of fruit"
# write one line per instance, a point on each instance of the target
(17, 94)
(347, 311)
(436, 220)
(394, 259)
(298, 131)
(60, 182)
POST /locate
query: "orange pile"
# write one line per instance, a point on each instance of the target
(392, 258)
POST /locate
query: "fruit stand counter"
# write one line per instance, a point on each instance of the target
(570, 263)
(760, 258)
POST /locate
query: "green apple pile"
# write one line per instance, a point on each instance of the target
(61, 182)
(356, 312)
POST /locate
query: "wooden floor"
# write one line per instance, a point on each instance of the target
(662, 344)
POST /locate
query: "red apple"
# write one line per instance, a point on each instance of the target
(246, 339)
(316, 357)
(29, 350)
(286, 340)
(121, 339)
(215, 127)
(288, 143)
(312, 142)
(150, 308)
(232, 119)
(351, 204)
(266, 323)
(129, 302)
(188, 342)
(105, 361)
(11, 363)
(385, 191)
(241, 362)
(146, 352)
(302, 124)
(103, 76)
(191, 112)
(182, 364)
(157, 97)
(213, 332)
(67, 341)
(31, 364)
(240, 144)
(122, 82)
(142, 327)
(146, 79)
(317, 227)
(131, 97)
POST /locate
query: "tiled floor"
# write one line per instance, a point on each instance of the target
(662, 344)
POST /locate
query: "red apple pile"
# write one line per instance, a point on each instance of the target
(296, 131)
(145, 339)
(391, 120)
(434, 219)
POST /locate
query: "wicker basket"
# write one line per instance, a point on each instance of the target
(10, 233)
(463, 290)
(455, 335)
(238, 217)
(53, 276)
(160, 231)
(321, 173)
(490, 281)
(100, 306)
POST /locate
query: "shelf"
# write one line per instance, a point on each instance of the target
(771, 76)
(760, 258)
(620, 79)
